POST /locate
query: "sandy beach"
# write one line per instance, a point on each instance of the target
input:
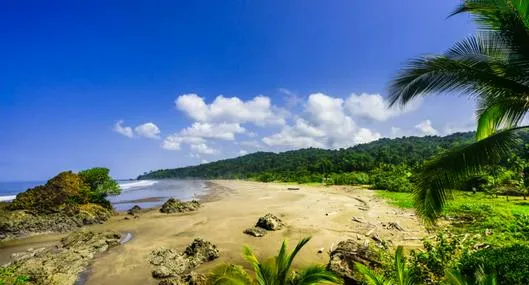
(325, 213)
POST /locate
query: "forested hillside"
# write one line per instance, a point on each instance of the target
(311, 165)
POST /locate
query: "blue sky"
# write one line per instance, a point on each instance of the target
(134, 85)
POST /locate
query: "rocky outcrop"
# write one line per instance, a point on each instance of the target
(22, 223)
(349, 252)
(270, 222)
(176, 267)
(134, 210)
(62, 264)
(176, 206)
(255, 231)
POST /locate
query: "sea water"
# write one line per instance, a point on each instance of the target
(145, 193)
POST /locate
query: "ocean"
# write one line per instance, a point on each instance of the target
(145, 193)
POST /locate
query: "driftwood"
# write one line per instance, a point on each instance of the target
(358, 220)
(393, 226)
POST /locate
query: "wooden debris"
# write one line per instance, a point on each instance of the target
(358, 220)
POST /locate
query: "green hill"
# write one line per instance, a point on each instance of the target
(291, 165)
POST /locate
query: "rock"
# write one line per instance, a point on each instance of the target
(134, 210)
(347, 253)
(321, 250)
(270, 222)
(179, 266)
(255, 231)
(22, 223)
(126, 218)
(194, 278)
(202, 250)
(176, 206)
(162, 272)
(62, 264)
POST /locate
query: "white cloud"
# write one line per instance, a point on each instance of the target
(258, 110)
(174, 142)
(325, 125)
(148, 130)
(426, 128)
(243, 152)
(221, 131)
(203, 161)
(203, 148)
(123, 130)
(375, 107)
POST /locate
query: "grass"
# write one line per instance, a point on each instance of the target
(500, 219)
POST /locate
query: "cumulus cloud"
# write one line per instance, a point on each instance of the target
(425, 127)
(174, 142)
(243, 152)
(221, 131)
(325, 125)
(123, 130)
(258, 110)
(148, 130)
(202, 148)
(375, 107)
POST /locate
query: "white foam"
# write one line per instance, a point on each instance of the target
(7, 198)
(137, 184)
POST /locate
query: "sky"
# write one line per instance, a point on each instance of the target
(142, 85)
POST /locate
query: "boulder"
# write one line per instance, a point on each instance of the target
(176, 206)
(177, 267)
(270, 222)
(202, 250)
(255, 231)
(62, 264)
(134, 210)
(347, 253)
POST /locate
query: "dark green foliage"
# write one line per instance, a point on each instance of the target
(438, 256)
(312, 165)
(100, 184)
(511, 264)
(392, 178)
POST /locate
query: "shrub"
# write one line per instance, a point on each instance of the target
(511, 264)
(65, 188)
(392, 178)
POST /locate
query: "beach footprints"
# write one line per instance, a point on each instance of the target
(268, 222)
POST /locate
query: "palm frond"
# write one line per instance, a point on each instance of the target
(286, 261)
(439, 175)
(229, 274)
(315, 274)
(484, 278)
(265, 273)
(509, 17)
(403, 276)
(454, 277)
(371, 277)
(500, 113)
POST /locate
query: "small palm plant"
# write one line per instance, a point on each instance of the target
(274, 271)
(455, 277)
(402, 273)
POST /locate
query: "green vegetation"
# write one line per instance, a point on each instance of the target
(67, 190)
(400, 272)
(274, 271)
(9, 277)
(490, 67)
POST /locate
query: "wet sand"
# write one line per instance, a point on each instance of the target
(325, 213)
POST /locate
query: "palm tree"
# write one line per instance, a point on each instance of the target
(274, 271)
(402, 273)
(491, 67)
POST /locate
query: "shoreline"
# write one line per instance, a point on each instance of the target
(231, 206)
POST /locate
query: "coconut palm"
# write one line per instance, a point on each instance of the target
(491, 67)
(274, 271)
(402, 274)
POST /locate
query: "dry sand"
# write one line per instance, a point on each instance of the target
(325, 213)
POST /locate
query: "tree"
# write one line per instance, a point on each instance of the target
(274, 271)
(492, 67)
(100, 184)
